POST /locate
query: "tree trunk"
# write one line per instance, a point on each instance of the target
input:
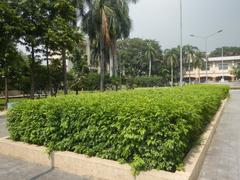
(6, 89)
(115, 60)
(123, 71)
(171, 72)
(64, 64)
(150, 68)
(49, 86)
(88, 51)
(102, 61)
(111, 63)
(199, 77)
(32, 66)
(189, 73)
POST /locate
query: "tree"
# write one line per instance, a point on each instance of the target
(33, 28)
(133, 62)
(120, 26)
(228, 51)
(96, 24)
(10, 30)
(80, 69)
(105, 22)
(198, 63)
(236, 72)
(150, 54)
(10, 66)
(172, 60)
(189, 53)
(64, 33)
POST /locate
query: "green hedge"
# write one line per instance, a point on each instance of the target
(147, 128)
(144, 81)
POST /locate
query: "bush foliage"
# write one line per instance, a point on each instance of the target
(143, 81)
(147, 128)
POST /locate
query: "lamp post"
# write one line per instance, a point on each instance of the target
(205, 38)
(181, 46)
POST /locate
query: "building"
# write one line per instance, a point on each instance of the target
(218, 67)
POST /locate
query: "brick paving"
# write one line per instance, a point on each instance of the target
(223, 157)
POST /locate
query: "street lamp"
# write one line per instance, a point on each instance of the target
(205, 38)
(181, 46)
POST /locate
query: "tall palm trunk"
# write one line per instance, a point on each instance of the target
(150, 67)
(32, 66)
(115, 61)
(102, 63)
(111, 63)
(64, 63)
(199, 77)
(171, 71)
(189, 72)
(88, 51)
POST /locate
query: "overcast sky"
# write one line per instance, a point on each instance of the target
(159, 20)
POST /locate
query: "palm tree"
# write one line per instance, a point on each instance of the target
(198, 63)
(189, 53)
(96, 24)
(120, 28)
(106, 21)
(172, 60)
(150, 54)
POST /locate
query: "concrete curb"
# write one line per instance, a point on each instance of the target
(97, 168)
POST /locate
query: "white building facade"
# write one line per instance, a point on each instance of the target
(218, 68)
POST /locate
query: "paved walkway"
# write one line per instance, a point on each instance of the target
(223, 158)
(14, 169)
(3, 129)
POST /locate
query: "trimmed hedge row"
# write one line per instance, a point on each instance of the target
(147, 128)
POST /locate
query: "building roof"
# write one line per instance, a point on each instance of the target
(225, 58)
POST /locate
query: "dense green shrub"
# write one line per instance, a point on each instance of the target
(147, 128)
(144, 81)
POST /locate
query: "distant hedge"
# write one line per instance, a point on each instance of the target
(147, 128)
(144, 81)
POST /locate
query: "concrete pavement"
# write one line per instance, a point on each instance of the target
(14, 169)
(3, 129)
(223, 157)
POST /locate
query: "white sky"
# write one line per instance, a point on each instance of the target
(159, 20)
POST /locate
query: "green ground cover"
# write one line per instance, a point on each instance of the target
(11, 100)
(146, 128)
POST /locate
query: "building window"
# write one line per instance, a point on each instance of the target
(223, 66)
